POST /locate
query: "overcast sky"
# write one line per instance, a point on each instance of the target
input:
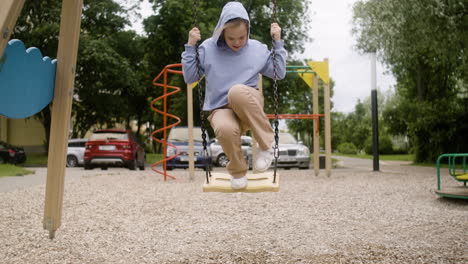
(331, 33)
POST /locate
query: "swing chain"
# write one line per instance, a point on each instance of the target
(195, 12)
(275, 97)
(275, 18)
(200, 95)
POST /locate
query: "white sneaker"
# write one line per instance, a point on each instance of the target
(264, 159)
(239, 183)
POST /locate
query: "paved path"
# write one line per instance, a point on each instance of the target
(365, 164)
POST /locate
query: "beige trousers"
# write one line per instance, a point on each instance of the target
(243, 112)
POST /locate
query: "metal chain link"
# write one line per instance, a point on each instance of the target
(275, 97)
(200, 96)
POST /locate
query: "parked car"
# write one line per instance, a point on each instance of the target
(75, 152)
(219, 157)
(11, 154)
(114, 147)
(292, 153)
(179, 137)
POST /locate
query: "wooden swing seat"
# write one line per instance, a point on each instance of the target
(259, 182)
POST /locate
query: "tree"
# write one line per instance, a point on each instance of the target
(359, 125)
(105, 68)
(424, 43)
(356, 127)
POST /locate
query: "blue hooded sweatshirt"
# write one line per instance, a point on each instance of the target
(224, 68)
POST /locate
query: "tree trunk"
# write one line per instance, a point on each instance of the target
(45, 118)
(419, 83)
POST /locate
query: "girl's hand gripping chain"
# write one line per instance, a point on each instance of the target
(194, 36)
(275, 31)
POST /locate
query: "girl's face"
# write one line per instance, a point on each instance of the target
(235, 37)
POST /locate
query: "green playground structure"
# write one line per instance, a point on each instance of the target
(457, 170)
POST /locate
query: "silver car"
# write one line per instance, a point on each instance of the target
(219, 157)
(292, 153)
(179, 136)
(75, 152)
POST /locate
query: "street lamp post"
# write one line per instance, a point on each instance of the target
(375, 118)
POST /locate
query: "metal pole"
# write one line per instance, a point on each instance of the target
(375, 118)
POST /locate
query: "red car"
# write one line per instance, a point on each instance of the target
(113, 147)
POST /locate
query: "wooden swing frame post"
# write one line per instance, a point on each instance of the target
(190, 131)
(328, 163)
(316, 131)
(9, 13)
(61, 112)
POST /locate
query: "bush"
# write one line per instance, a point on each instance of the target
(385, 145)
(347, 148)
(400, 151)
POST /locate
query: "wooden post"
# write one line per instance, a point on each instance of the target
(3, 129)
(9, 13)
(190, 130)
(61, 112)
(254, 142)
(327, 127)
(316, 133)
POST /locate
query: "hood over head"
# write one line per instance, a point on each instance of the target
(230, 11)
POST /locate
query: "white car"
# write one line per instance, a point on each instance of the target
(292, 153)
(75, 152)
(219, 157)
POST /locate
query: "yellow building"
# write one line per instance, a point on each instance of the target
(28, 133)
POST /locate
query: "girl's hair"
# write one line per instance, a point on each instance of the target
(236, 22)
(233, 23)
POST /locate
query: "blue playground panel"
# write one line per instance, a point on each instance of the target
(27, 80)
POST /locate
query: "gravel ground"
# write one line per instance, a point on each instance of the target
(120, 216)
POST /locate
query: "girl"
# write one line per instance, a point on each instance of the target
(231, 62)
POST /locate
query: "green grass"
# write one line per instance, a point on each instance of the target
(153, 157)
(399, 157)
(12, 170)
(35, 160)
(18, 170)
